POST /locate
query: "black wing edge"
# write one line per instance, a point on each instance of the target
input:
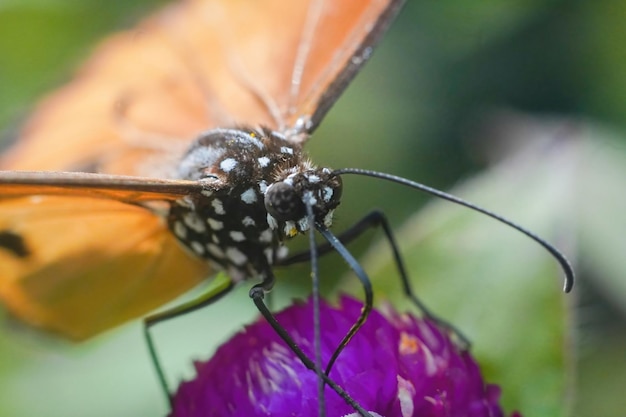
(355, 63)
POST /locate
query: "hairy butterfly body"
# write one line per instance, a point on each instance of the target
(252, 203)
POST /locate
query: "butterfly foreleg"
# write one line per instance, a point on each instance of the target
(218, 288)
(257, 293)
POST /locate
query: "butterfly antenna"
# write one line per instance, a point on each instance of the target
(565, 264)
(317, 334)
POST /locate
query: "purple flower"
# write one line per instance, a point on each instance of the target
(395, 366)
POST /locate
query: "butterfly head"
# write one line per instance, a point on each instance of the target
(286, 200)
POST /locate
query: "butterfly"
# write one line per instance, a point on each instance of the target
(176, 152)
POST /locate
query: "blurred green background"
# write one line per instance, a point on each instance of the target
(518, 105)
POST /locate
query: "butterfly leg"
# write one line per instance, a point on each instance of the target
(257, 293)
(378, 219)
(337, 245)
(219, 287)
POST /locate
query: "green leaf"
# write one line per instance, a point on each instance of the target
(601, 208)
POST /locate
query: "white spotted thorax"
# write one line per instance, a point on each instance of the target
(256, 183)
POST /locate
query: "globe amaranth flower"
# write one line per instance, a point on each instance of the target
(397, 365)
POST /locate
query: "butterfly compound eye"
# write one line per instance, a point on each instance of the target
(283, 202)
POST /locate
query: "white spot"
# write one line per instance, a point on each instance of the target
(263, 161)
(215, 250)
(313, 179)
(282, 252)
(194, 222)
(290, 229)
(228, 164)
(248, 221)
(248, 196)
(303, 224)
(271, 222)
(236, 256)
(206, 193)
(179, 230)
(303, 124)
(326, 170)
(328, 219)
(269, 254)
(197, 247)
(218, 206)
(263, 186)
(328, 194)
(286, 149)
(266, 236)
(215, 238)
(237, 236)
(215, 224)
(289, 181)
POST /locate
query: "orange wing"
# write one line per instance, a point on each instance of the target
(78, 265)
(146, 93)
(75, 257)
